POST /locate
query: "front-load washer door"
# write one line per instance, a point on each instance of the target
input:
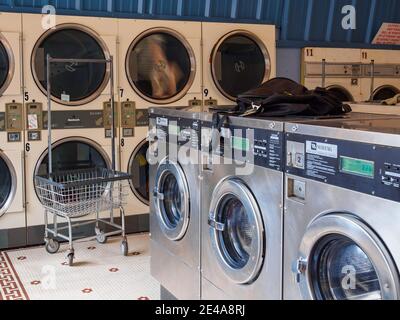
(341, 258)
(8, 182)
(172, 200)
(237, 231)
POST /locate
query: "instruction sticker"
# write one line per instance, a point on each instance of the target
(33, 123)
(322, 149)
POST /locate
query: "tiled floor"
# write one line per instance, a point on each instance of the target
(100, 272)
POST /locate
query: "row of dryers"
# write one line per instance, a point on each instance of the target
(270, 209)
(353, 75)
(156, 63)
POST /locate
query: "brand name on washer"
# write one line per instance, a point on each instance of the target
(322, 149)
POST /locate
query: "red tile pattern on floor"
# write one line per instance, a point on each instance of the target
(11, 287)
(87, 291)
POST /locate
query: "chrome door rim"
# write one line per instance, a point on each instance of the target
(236, 188)
(190, 52)
(134, 153)
(260, 44)
(11, 64)
(14, 182)
(169, 167)
(100, 42)
(349, 226)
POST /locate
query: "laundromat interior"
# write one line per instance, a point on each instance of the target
(211, 150)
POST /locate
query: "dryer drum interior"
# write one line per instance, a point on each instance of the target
(139, 169)
(71, 83)
(341, 93)
(7, 183)
(6, 64)
(240, 62)
(385, 92)
(160, 66)
(73, 154)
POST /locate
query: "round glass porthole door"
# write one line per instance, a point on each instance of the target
(240, 62)
(73, 154)
(71, 83)
(341, 93)
(160, 66)
(237, 231)
(7, 184)
(6, 65)
(139, 169)
(342, 259)
(384, 93)
(172, 200)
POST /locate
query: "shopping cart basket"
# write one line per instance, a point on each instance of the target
(75, 194)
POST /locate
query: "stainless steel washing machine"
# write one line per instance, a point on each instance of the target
(342, 210)
(174, 204)
(241, 210)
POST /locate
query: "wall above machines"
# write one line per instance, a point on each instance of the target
(300, 22)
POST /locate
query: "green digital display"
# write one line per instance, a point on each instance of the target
(241, 144)
(358, 167)
(174, 130)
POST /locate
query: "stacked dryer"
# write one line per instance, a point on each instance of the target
(236, 58)
(159, 65)
(385, 66)
(80, 93)
(337, 70)
(12, 209)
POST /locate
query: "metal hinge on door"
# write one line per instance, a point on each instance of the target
(158, 195)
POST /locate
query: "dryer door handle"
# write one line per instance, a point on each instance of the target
(216, 225)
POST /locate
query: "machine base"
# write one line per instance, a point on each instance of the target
(13, 238)
(134, 224)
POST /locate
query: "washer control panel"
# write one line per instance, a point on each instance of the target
(34, 120)
(261, 147)
(366, 168)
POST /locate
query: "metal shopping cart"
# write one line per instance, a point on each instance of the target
(79, 193)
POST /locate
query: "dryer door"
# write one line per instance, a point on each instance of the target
(237, 231)
(172, 200)
(5, 64)
(341, 258)
(138, 167)
(8, 182)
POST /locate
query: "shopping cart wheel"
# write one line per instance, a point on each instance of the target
(124, 247)
(101, 238)
(70, 258)
(52, 246)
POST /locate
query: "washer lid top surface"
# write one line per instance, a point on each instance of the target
(7, 183)
(341, 258)
(71, 83)
(161, 65)
(240, 62)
